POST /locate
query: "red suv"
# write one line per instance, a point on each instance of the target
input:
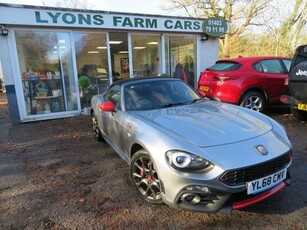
(252, 82)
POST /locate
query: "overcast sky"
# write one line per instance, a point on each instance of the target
(132, 6)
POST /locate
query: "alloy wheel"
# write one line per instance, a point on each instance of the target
(253, 103)
(145, 178)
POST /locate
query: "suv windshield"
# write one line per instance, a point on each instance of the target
(300, 55)
(225, 66)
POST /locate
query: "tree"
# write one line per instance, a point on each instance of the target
(253, 44)
(239, 13)
(291, 30)
(72, 4)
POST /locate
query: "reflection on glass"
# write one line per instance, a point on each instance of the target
(146, 55)
(46, 69)
(119, 55)
(66, 65)
(158, 94)
(92, 62)
(180, 56)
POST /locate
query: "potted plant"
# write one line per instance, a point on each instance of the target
(83, 82)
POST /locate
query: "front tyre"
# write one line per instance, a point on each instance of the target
(145, 177)
(97, 134)
(299, 114)
(254, 101)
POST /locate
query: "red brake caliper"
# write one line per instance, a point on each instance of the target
(141, 171)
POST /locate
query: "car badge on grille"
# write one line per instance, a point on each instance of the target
(261, 149)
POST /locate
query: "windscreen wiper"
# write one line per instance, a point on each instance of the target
(193, 101)
(167, 105)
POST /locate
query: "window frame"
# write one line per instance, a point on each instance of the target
(261, 66)
(24, 117)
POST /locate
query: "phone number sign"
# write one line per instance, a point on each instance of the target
(215, 26)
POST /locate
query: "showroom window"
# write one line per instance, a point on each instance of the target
(180, 57)
(146, 55)
(92, 64)
(119, 55)
(46, 68)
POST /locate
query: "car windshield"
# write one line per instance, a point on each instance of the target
(158, 94)
(224, 66)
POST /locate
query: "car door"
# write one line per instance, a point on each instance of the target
(274, 78)
(113, 123)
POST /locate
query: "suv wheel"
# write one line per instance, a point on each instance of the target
(253, 100)
(299, 114)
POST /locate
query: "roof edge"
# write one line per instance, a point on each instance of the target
(11, 5)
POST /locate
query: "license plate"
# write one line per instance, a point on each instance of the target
(204, 88)
(267, 182)
(302, 107)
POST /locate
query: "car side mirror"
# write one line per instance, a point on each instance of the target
(107, 106)
(202, 94)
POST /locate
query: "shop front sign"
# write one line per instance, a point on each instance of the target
(116, 21)
(215, 27)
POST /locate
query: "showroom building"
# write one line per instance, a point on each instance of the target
(53, 60)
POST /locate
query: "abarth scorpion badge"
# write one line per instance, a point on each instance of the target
(262, 150)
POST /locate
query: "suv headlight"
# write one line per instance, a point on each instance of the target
(183, 161)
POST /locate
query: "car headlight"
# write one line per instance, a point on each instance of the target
(183, 160)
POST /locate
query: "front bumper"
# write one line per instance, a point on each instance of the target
(258, 198)
(198, 199)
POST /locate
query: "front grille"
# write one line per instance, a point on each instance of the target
(243, 175)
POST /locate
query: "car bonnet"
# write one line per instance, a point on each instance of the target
(208, 123)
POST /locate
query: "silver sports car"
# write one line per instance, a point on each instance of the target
(188, 152)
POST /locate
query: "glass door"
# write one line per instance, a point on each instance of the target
(180, 56)
(92, 64)
(46, 68)
(119, 55)
(146, 55)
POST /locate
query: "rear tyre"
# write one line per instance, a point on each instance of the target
(145, 177)
(97, 134)
(254, 101)
(299, 115)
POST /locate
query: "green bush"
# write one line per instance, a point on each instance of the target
(84, 82)
(164, 75)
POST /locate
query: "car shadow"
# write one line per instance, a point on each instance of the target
(275, 111)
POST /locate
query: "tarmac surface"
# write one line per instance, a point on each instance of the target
(54, 175)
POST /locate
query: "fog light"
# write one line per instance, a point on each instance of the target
(4, 32)
(198, 188)
(191, 198)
